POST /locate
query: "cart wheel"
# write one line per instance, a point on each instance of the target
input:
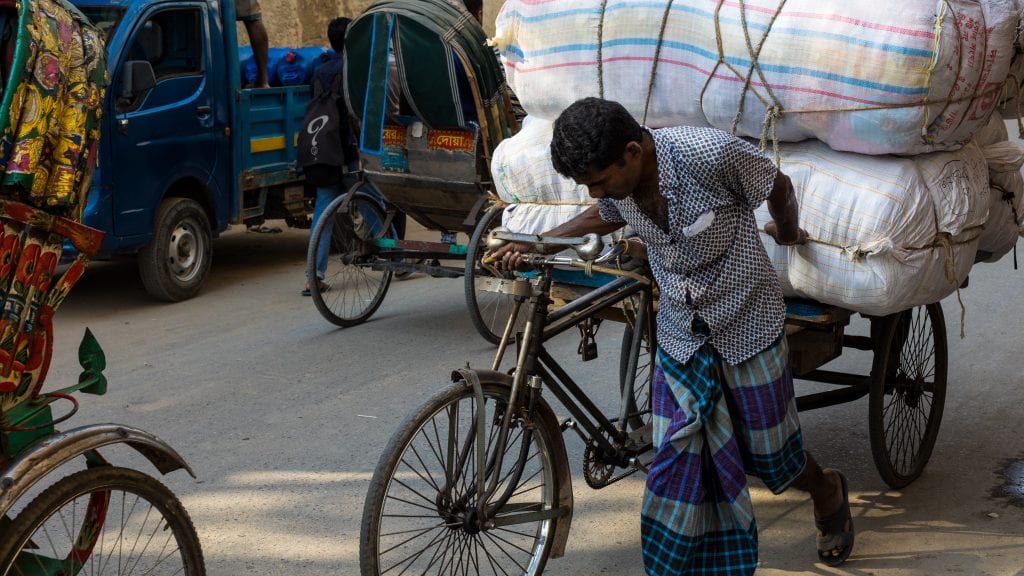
(356, 278)
(489, 311)
(908, 391)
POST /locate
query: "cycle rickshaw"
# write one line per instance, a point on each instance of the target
(103, 518)
(478, 478)
(432, 105)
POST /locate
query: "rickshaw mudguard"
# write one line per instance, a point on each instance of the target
(41, 458)
(474, 379)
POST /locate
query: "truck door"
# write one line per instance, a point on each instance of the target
(174, 130)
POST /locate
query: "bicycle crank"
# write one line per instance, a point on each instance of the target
(600, 474)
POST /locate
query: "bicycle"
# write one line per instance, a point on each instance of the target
(478, 477)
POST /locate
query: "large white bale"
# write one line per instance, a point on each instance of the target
(875, 78)
(522, 171)
(887, 233)
(1006, 196)
(538, 197)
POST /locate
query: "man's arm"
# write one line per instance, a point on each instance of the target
(782, 205)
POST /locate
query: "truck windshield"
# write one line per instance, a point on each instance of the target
(105, 18)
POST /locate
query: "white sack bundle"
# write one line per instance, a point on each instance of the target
(1006, 197)
(538, 197)
(888, 233)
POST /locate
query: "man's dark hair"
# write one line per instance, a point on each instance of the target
(336, 31)
(591, 134)
(474, 6)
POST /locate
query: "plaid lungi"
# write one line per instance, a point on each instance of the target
(697, 516)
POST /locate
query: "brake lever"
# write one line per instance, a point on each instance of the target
(618, 249)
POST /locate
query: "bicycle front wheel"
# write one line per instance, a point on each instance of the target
(104, 520)
(421, 512)
(356, 278)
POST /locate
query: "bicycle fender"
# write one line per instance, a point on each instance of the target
(474, 378)
(46, 455)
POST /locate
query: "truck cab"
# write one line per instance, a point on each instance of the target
(185, 150)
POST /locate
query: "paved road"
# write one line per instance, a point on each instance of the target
(283, 417)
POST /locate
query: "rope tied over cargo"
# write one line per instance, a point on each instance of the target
(654, 62)
(773, 108)
(600, 51)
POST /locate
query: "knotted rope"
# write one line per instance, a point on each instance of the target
(654, 63)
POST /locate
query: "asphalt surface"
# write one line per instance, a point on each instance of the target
(283, 417)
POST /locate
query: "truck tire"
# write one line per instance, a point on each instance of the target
(175, 263)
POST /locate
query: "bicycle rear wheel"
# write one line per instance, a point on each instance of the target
(104, 520)
(489, 311)
(420, 515)
(638, 409)
(356, 278)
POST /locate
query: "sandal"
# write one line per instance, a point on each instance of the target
(835, 531)
(321, 285)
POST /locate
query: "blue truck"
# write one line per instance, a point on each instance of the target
(185, 150)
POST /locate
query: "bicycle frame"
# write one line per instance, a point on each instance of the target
(536, 367)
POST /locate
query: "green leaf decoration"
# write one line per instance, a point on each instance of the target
(93, 361)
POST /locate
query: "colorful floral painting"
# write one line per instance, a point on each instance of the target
(49, 121)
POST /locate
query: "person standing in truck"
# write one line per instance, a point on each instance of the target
(249, 14)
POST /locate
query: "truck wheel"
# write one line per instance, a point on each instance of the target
(175, 263)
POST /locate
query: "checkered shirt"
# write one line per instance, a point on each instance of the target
(711, 263)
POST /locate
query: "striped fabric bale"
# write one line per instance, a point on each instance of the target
(915, 77)
(714, 424)
(522, 169)
(887, 233)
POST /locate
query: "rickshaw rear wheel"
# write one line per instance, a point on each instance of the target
(104, 520)
(356, 278)
(489, 311)
(908, 391)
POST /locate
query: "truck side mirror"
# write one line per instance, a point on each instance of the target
(137, 77)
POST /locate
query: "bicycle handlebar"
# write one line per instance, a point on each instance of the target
(587, 247)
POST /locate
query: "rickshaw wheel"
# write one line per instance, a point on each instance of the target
(104, 520)
(908, 391)
(489, 311)
(356, 278)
